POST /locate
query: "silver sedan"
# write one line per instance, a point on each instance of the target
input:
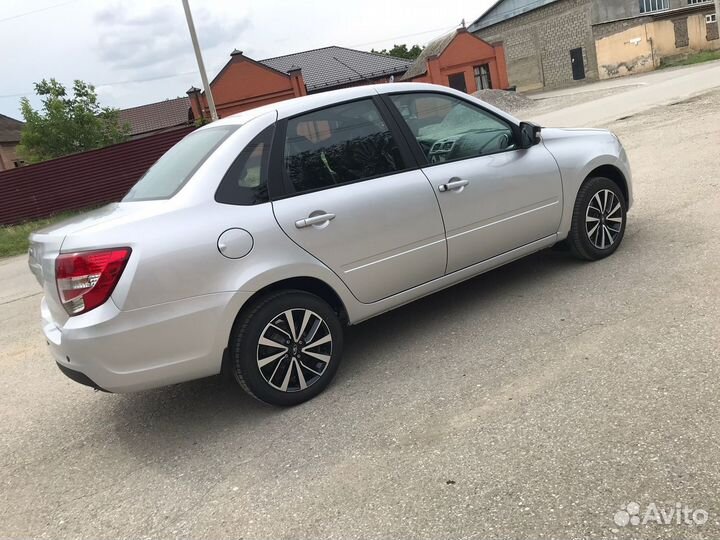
(250, 244)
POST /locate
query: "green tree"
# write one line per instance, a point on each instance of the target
(402, 51)
(67, 124)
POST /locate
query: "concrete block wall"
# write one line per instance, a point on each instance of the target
(538, 43)
(638, 45)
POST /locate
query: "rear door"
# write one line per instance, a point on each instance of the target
(354, 199)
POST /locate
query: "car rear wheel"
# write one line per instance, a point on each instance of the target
(598, 223)
(287, 349)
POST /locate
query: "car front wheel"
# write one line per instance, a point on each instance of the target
(598, 223)
(287, 348)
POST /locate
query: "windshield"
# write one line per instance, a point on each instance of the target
(165, 178)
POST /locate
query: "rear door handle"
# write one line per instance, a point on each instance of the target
(453, 185)
(314, 220)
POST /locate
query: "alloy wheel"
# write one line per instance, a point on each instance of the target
(294, 350)
(604, 219)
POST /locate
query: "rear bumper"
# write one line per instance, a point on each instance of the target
(127, 351)
(79, 377)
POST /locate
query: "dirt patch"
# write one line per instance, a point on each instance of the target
(522, 105)
(556, 103)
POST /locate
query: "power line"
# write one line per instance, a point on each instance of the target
(159, 77)
(117, 83)
(15, 95)
(38, 10)
(404, 36)
(174, 75)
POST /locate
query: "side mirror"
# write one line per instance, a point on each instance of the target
(529, 134)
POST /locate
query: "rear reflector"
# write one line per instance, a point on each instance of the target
(85, 280)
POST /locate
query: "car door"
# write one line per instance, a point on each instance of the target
(494, 196)
(356, 200)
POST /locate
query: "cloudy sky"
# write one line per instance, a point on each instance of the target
(139, 51)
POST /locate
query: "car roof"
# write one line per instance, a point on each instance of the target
(294, 106)
(291, 107)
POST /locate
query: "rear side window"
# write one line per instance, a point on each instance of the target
(245, 183)
(340, 144)
(177, 165)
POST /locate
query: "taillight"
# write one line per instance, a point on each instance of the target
(85, 280)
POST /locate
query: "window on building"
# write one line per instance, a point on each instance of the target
(340, 144)
(482, 77)
(709, 19)
(457, 81)
(700, 1)
(649, 6)
(18, 163)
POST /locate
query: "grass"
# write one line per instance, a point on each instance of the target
(14, 238)
(697, 58)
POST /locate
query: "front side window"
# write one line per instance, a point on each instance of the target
(448, 128)
(245, 183)
(337, 145)
(177, 165)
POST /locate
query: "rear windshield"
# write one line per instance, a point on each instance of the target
(176, 166)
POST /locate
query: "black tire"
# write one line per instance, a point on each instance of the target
(585, 242)
(295, 368)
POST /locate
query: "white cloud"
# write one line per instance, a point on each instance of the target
(151, 41)
(137, 40)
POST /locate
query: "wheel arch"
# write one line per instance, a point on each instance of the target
(611, 172)
(312, 285)
(308, 284)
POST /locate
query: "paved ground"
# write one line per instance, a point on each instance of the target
(617, 99)
(640, 79)
(533, 401)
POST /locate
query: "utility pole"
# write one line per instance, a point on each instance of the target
(201, 64)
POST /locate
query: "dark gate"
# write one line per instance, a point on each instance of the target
(578, 64)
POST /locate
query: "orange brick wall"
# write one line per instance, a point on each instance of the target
(245, 84)
(462, 54)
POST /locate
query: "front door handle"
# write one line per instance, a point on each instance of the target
(314, 220)
(453, 185)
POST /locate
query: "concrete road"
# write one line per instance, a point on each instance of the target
(531, 402)
(630, 95)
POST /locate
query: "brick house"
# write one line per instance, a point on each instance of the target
(244, 83)
(556, 42)
(9, 138)
(462, 61)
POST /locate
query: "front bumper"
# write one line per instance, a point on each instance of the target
(127, 351)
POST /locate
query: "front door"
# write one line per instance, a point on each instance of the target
(457, 81)
(494, 196)
(357, 204)
(578, 64)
